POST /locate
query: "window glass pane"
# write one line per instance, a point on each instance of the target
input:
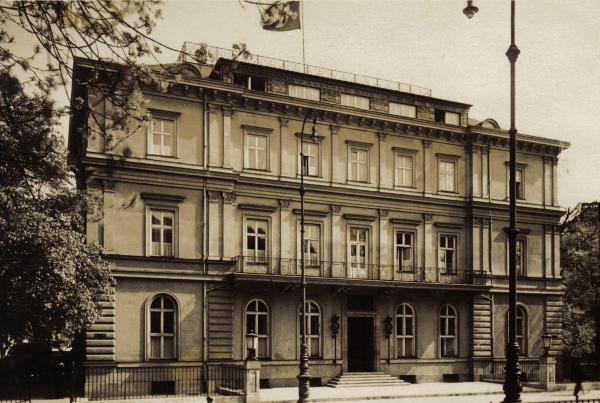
(167, 303)
(443, 330)
(261, 306)
(168, 347)
(451, 327)
(250, 326)
(156, 143)
(313, 345)
(362, 235)
(155, 322)
(262, 227)
(169, 322)
(262, 348)
(262, 324)
(409, 348)
(167, 145)
(155, 347)
(409, 326)
(250, 245)
(168, 126)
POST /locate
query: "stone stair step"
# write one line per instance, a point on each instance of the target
(365, 379)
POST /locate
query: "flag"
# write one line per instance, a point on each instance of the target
(281, 16)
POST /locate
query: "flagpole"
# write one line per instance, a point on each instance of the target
(302, 29)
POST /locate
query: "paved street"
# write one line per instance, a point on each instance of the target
(463, 392)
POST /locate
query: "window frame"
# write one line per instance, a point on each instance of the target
(355, 146)
(446, 317)
(164, 203)
(400, 109)
(401, 335)
(176, 327)
(521, 261)
(254, 258)
(358, 269)
(246, 81)
(400, 268)
(310, 337)
(442, 116)
(405, 153)
(318, 156)
(345, 101)
(319, 240)
(155, 114)
(307, 92)
(521, 188)
(453, 161)
(251, 132)
(441, 251)
(261, 336)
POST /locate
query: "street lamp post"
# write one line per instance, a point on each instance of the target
(304, 376)
(512, 384)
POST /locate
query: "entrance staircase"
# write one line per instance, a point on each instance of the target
(369, 379)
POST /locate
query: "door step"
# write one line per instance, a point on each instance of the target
(365, 379)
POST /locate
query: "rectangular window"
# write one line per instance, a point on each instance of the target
(450, 118)
(409, 111)
(250, 83)
(300, 91)
(312, 239)
(256, 151)
(521, 258)
(404, 251)
(519, 182)
(256, 240)
(358, 247)
(310, 151)
(404, 170)
(162, 226)
(447, 253)
(358, 165)
(162, 133)
(356, 101)
(447, 176)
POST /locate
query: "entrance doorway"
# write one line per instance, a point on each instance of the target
(360, 344)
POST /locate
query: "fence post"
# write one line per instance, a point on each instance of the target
(252, 381)
(548, 373)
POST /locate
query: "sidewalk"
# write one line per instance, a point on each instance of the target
(421, 393)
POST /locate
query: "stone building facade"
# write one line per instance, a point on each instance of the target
(406, 207)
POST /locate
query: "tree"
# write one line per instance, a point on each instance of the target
(580, 265)
(52, 281)
(92, 30)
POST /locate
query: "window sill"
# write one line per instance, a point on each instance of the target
(159, 157)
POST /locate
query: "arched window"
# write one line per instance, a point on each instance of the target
(405, 331)
(522, 329)
(257, 321)
(448, 334)
(313, 328)
(162, 328)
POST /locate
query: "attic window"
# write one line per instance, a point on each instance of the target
(250, 83)
(450, 118)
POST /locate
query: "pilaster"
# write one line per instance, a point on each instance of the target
(229, 248)
(427, 177)
(214, 233)
(227, 142)
(109, 216)
(214, 140)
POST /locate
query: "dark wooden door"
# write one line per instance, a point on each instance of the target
(360, 344)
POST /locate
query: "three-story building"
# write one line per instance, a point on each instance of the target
(406, 207)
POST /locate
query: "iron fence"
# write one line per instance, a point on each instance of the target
(317, 268)
(494, 370)
(109, 383)
(566, 367)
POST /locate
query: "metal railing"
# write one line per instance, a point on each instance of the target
(194, 52)
(291, 267)
(110, 383)
(566, 367)
(494, 370)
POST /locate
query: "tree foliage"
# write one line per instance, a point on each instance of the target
(52, 281)
(580, 267)
(96, 31)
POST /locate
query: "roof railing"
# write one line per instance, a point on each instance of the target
(200, 52)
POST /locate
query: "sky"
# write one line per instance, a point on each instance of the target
(431, 44)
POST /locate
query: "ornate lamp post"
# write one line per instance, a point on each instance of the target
(304, 376)
(512, 384)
